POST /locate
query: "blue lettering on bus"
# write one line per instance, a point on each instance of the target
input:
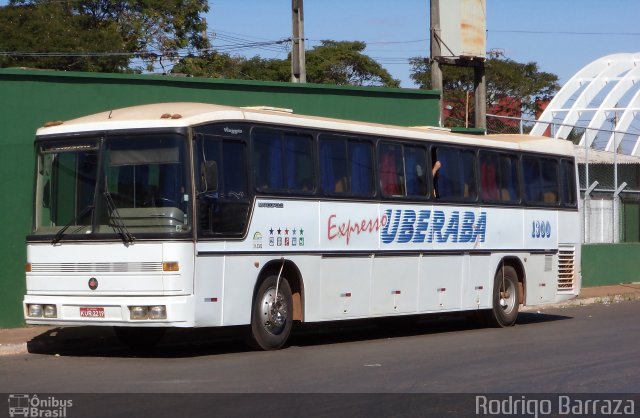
(422, 226)
(406, 230)
(540, 229)
(407, 225)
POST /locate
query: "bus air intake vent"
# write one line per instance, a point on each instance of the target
(566, 268)
(133, 267)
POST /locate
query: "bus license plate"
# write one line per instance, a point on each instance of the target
(92, 312)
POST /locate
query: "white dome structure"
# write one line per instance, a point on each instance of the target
(601, 104)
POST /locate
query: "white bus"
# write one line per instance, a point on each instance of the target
(198, 215)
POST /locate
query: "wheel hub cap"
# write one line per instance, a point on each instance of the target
(274, 311)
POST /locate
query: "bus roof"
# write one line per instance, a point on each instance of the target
(185, 114)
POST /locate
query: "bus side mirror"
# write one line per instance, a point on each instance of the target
(209, 173)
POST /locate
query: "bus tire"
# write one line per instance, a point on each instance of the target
(271, 317)
(505, 298)
(139, 338)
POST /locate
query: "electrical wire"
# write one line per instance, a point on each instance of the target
(545, 32)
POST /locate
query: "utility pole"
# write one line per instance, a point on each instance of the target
(480, 95)
(458, 58)
(298, 68)
(436, 71)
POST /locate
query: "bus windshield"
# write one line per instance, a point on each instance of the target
(140, 186)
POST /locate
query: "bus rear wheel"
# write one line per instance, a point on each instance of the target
(505, 298)
(272, 314)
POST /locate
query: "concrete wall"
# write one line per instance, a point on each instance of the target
(604, 264)
(29, 98)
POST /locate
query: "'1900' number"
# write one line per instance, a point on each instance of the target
(540, 229)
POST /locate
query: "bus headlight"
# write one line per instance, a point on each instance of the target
(50, 311)
(138, 312)
(34, 310)
(158, 312)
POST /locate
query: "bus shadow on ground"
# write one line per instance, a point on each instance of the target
(85, 341)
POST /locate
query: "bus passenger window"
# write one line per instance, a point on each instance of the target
(509, 179)
(333, 166)
(489, 171)
(415, 159)
(540, 177)
(267, 164)
(456, 178)
(361, 159)
(568, 183)
(298, 161)
(282, 161)
(346, 165)
(499, 177)
(391, 170)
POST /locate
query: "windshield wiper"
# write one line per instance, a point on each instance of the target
(114, 216)
(56, 239)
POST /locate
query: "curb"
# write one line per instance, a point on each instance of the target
(13, 349)
(602, 300)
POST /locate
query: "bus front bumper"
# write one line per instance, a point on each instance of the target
(137, 311)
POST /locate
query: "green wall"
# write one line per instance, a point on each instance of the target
(29, 98)
(604, 264)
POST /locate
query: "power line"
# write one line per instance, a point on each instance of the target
(544, 32)
(381, 42)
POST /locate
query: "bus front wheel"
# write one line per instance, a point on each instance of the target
(272, 314)
(505, 298)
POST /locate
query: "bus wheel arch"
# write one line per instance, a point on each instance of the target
(274, 306)
(517, 265)
(292, 273)
(507, 292)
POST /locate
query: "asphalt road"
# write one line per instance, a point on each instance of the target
(587, 349)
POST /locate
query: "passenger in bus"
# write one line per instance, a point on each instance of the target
(341, 185)
(434, 171)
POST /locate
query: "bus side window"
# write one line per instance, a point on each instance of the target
(540, 177)
(282, 161)
(549, 176)
(346, 165)
(456, 178)
(298, 162)
(489, 172)
(499, 177)
(568, 183)
(333, 165)
(415, 159)
(361, 165)
(509, 179)
(390, 169)
(268, 174)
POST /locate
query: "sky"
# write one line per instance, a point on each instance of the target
(562, 36)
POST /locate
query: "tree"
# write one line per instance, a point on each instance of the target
(28, 33)
(343, 63)
(332, 62)
(86, 32)
(221, 65)
(513, 88)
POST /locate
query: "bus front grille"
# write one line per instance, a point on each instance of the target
(566, 268)
(124, 267)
